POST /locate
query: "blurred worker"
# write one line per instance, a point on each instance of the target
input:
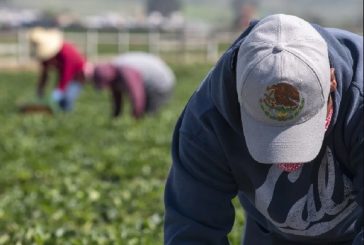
(277, 122)
(50, 49)
(145, 78)
(244, 12)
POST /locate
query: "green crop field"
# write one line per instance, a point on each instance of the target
(83, 178)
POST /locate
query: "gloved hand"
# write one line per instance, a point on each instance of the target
(57, 95)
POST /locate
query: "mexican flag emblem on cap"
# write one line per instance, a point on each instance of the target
(281, 102)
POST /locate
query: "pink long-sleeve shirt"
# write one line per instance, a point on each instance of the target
(134, 86)
(68, 62)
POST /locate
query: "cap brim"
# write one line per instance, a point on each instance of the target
(294, 144)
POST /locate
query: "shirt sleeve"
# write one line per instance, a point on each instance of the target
(44, 68)
(357, 164)
(359, 239)
(135, 87)
(198, 191)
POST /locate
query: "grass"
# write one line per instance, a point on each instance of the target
(82, 178)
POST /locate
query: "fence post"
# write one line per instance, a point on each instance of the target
(92, 42)
(184, 45)
(212, 49)
(154, 38)
(22, 47)
(123, 41)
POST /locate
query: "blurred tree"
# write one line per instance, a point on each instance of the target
(162, 6)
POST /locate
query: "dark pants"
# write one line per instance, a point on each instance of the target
(70, 96)
(155, 99)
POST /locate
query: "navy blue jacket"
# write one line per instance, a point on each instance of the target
(319, 204)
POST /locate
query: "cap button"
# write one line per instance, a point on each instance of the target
(278, 48)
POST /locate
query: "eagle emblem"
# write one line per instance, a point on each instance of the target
(281, 102)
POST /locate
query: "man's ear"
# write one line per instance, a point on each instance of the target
(333, 83)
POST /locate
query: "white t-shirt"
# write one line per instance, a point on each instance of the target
(154, 71)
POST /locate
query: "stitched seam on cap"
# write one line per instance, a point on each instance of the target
(279, 42)
(302, 39)
(280, 29)
(251, 69)
(313, 70)
(269, 43)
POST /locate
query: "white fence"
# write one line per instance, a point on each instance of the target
(174, 47)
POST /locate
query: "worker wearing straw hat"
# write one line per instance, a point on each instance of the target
(50, 49)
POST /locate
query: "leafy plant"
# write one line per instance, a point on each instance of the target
(82, 178)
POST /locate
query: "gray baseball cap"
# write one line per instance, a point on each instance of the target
(283, 84)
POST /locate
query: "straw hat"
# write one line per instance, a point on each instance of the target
(46, 43)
